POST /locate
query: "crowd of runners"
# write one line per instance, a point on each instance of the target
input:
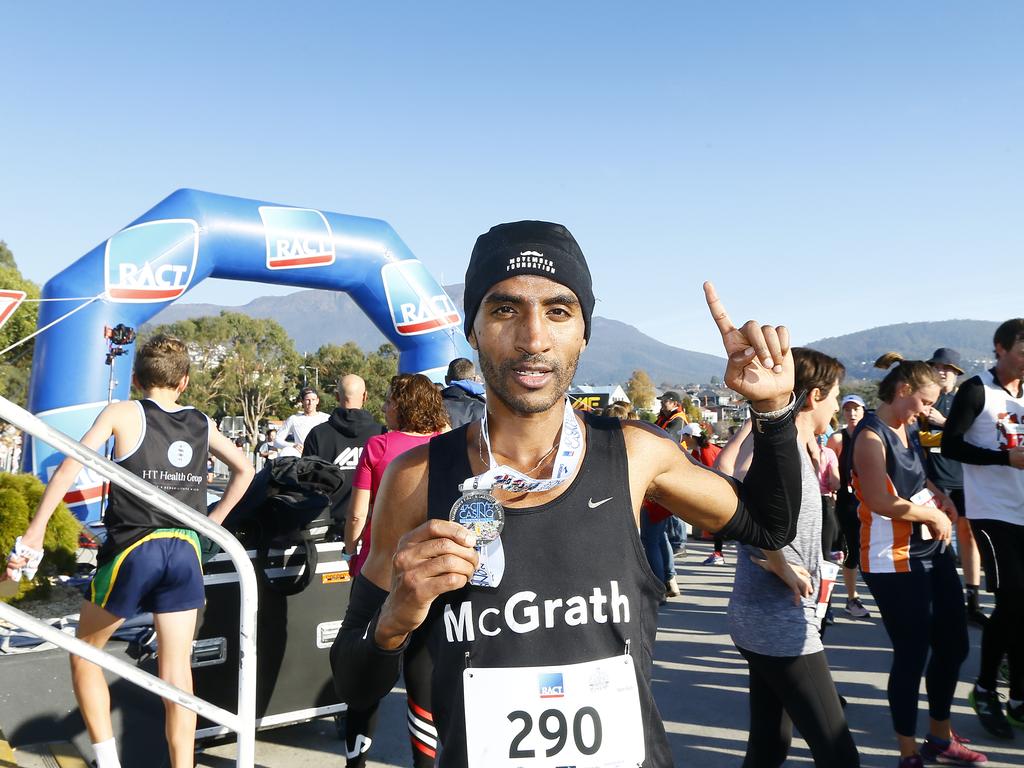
(520, 550)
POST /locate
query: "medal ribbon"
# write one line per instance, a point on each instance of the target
(570, 445)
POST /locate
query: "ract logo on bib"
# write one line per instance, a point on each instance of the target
(151, 262)
(551, 685)
(297, 238)
(417, 303)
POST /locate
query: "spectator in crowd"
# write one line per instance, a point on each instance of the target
(463, 394)
(414, 413)
(342, 437)
(298, 425)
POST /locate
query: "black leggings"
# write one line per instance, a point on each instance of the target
(360, 724)
(922, 611)
(830, 534)
(1002, 636)
(849, 524)
(795, 690)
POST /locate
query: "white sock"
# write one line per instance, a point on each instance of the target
(106, 754)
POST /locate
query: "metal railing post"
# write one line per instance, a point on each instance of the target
(244, 722)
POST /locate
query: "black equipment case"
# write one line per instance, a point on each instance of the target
(293, 638)
(284, 521)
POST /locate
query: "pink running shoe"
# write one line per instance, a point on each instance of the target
(936, 751)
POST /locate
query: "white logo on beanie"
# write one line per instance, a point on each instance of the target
(530, 260)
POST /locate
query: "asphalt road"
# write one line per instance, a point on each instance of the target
(699, 684)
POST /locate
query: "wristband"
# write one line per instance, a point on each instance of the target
(763, 421)
(33, 555)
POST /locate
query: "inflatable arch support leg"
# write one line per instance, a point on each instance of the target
(193, 235)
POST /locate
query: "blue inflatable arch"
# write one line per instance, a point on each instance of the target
(193, 235)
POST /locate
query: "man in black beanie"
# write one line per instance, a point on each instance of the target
(511, 543)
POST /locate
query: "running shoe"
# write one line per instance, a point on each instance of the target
(672, 588)
(976, 617)
(715, 558)
(990, 711)
(1015, 716)
(856, 610)
(952, 752)
(913, 761)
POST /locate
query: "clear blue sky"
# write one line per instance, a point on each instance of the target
(832, 166)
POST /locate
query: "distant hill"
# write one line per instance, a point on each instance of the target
(314, 318)
(858, 351)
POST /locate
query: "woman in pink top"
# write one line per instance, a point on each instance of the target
(414, 413)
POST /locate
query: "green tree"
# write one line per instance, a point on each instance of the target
(16, 364)
(640, 390)
(376, 369)
(692, 410)
(241, 365)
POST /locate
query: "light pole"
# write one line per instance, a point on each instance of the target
(316, 376)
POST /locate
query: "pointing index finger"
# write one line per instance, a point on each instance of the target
(718, 312)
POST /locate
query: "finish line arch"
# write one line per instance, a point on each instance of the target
(190, 236)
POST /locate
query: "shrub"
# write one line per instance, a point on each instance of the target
(19, 497)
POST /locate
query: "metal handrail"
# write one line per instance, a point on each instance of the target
(243, 722)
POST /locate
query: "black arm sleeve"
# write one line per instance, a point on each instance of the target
(769, 497)
(967, 404)
(363, 672)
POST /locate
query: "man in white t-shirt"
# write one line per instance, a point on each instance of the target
(297, 426)
(985, 432)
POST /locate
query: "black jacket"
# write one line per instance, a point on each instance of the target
(340, 439)
(462, 407)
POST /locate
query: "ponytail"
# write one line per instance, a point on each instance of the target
(916, 373)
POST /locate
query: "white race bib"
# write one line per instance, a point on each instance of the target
(585, 715)
(924, 498)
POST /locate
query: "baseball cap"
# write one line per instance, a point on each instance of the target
(853, 399)
(671, 395)
(691, 429)
(947, 356)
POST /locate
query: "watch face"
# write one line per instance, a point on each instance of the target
(481, 513)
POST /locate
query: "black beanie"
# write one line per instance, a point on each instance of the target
(527, 248)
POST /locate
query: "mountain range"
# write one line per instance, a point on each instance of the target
(314, 317)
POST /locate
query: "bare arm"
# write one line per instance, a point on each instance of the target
(101, 430)
(240, 468)
(358, 510)
(734, 460)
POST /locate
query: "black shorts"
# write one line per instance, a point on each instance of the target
(1001, 546)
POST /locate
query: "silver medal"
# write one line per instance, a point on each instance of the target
(481, 513)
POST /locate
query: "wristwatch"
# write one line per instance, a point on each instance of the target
(765, 422)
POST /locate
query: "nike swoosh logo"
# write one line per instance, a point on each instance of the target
(595, 504)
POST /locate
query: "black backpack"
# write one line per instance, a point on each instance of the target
(288, 503)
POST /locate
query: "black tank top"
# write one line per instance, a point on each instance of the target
(171, 455)
(583, 544)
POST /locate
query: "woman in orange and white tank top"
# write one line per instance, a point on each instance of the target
(907, 563)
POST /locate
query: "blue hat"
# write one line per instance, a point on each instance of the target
(854, 399)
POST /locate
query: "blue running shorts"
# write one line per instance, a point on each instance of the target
(159, 573)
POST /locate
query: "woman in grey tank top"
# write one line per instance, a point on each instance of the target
(773, 615)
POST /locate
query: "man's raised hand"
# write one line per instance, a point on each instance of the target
(760, 364)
